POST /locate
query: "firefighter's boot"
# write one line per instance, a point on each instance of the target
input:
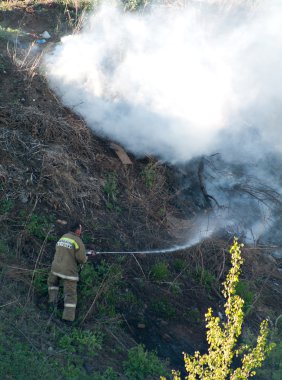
(53, 288)
(70, 300)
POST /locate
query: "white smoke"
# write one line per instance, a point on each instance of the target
(181, 82)
(169, 82)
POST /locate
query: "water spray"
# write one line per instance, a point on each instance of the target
(148, 252)
(177, 248)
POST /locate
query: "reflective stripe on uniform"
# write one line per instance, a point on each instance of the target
(70, 305)
(65, 240)
(53, 287)
(73, 278)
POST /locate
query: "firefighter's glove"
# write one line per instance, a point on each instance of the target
(91, 253)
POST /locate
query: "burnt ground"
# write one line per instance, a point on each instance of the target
(54, 169)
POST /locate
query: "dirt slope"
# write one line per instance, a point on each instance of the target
(53, 169)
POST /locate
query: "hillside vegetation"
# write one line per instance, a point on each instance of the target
(137, 312)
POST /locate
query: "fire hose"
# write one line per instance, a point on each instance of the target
(146, 252)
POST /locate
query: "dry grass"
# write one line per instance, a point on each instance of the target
(59, 154)
(10, 4)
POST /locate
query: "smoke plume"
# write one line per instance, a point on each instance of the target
(182, 82)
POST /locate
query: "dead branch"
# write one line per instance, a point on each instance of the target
(207, 196)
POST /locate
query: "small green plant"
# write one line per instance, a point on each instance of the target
(100, 287)
(87, 278)
(163, 309)
(129, 298)
(278, 326)
(178, 264)
(39, 225)
(108, 305)
(272, 368)
(40, 282)
(73, 369)
(111, 190)
(243, 290)
(142, 364)
(81, 342)
(149, 175)
(160, 271)
(3, 247)
(193, 315)
(2, 66)
(109, 374)
(88, 239)
(205, 278)
(19, 361)
(162, 212)
(6, 205)
(175, 288)
(23, 214)
(222, 337)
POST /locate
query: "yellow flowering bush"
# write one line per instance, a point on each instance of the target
(222, 337)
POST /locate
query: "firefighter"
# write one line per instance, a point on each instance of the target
(70, 255)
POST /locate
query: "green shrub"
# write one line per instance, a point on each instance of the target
(109, 374)
(141, 364)
(20, 362)
(163, 309)
(243, 290)
(160, 271)
(175, 288)
(193, 315)
(3, 247)
(73, 370)
(107, 308)
(149, 175)
(278, 325)
(6, 205)
(101, 284)
(205, 278)
(111, 190)
(162, 212)
(81, 342)
(40, 282)
(39, 225)
(178, 264)
(222, 337)
(129, 297)
(88, 276)
(88, 238)
(272, 369)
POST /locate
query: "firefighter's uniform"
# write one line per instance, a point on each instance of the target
(70, 254)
